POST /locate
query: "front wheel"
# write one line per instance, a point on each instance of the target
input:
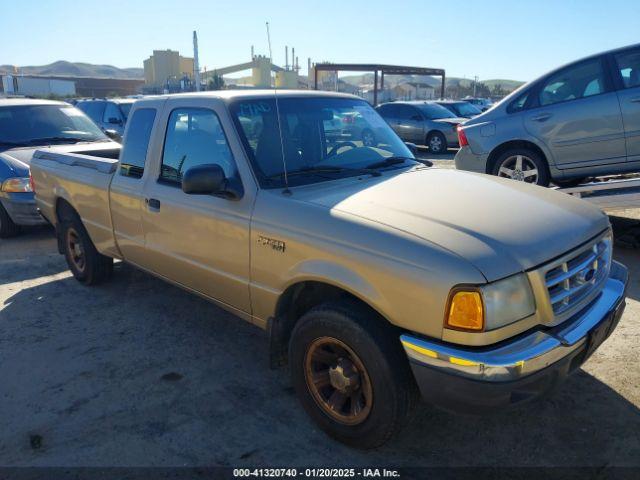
(88, 266)
(522, 165)
(351, 375)
(437, 142)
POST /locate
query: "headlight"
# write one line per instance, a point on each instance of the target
(508, 301)
(17, 185)
(490, 306)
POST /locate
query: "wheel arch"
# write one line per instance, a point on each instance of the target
(503, 147)
(63, 211)
(299, 298)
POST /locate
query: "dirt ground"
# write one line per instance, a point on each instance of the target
(138, 373)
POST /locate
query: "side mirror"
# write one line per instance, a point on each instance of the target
(204, 179)
(210, 179)
(113, 135)
(114, 121)
(412, 147)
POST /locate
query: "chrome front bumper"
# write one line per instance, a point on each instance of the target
(512, 362)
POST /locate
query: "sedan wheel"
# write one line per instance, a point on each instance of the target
(436, 144)
(520, 168)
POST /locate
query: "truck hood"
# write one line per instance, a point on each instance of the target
(501, 226)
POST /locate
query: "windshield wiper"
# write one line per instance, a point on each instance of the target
(321, 170)
(45, 140)
(397, 160)
(11, 144)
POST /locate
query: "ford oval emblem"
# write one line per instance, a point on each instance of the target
(586, 276)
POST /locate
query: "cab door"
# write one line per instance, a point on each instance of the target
(627, 70)
(126, 195)
(577, 116)
(198, 241)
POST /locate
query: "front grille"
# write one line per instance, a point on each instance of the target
(575, 281)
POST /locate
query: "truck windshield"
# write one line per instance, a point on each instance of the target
(323, 138)
(27, 125)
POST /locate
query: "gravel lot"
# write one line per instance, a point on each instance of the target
(138, 372)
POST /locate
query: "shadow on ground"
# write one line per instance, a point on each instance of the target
(138, 372)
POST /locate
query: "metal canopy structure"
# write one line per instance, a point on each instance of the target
(378, 70)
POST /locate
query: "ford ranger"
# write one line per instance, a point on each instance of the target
(376, 277)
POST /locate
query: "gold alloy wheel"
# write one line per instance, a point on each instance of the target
(338, 381)
(75, 249)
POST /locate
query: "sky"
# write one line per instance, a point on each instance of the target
(517, 39)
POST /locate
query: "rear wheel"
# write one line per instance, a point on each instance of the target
(351, 375)
(522, 165)
(437, 142)
(7, 227)
(85, 262)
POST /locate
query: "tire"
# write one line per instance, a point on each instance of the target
(384, 387)
(87, 265)
(7, 227)
(437, 142)
(519, 164)
(368, 138)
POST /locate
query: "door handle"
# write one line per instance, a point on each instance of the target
(153, 204)
(635, 100)
(543, 117)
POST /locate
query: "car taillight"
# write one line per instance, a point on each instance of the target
(462, 137)
(348, 119)
(32, 183)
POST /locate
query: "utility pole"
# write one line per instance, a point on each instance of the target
(475, 83)
(196, 66)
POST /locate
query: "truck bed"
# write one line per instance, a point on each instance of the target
(81, 179)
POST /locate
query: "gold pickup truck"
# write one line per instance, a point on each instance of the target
(376, 277)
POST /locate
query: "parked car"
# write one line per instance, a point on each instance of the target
(350, 126)
(372, 273)
(460, 108)
(422, 123)
(26, 125)
(483, 104)
(578, 121)
(110, 115)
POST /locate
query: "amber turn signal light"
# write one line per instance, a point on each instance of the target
(465, 311)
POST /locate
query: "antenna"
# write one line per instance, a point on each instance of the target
(275, 95)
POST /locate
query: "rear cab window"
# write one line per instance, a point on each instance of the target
(136, 144)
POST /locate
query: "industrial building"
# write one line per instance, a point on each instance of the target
(68, 86)
(165, 67)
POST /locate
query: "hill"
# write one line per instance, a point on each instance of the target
(76, 69)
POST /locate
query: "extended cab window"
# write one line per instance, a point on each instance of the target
(194, 137)
(577, 81)
(134, 152)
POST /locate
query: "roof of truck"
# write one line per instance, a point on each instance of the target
(14, 102)
(251, 93)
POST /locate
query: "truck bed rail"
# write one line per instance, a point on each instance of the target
(102, 164)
